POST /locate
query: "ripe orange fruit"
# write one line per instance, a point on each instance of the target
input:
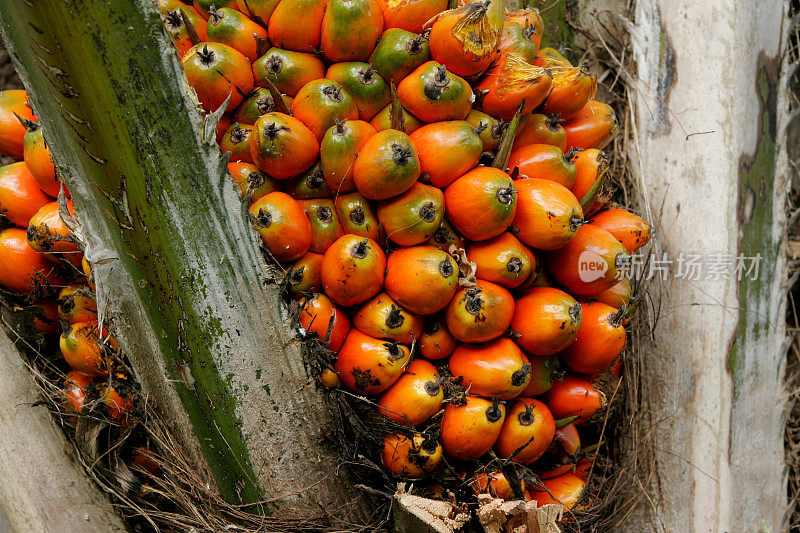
(543, 161)
(353, 270)
(80, 346)
(309, 184)
(629, 229)
(527, 432)
(431, 94)
(257, 103)
(562, 490)
(446, 236)
(357, 216)
(590, 165)
(383, 120)
(39, 162)
(436, 342)
(544, 370)
(320, 316)
(76, 388)
(494, 484)
(479, 313)
(411, 457)
(363, 83)
(283, 225)
(338, 150)
(382, 318)
(502, 260)
(325, 226)
(229, 26)
(258, 10)
(572, 88)
(574, 396)
(282, 146)
(20, 195)
(447, 150)
(511, 83)
(599, 342)
(320, 103)
(541, 129)
(215, 71)
(560, 457)
(176, 26)
(482, 203)
(494, 369)
(531, 22)
(490, 128)
(12, 131)
(288, 70)
(590, 263)
(548, 215)
(422, 279)
(415, 397)
(304, 276)
(368, 365)
(546, 320)
(465, 39)
(247, 175)
(412, 217)
(75, 304)
(387, 165)
(617, 296)
(469, 430)
(236, 140)
(23, 269)
(285, 31)
(410, 15)
(350, 29)
(591, 127)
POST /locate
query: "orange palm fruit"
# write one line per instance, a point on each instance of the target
(502, 260)
(422, 279)
(574, 396)
(591, 127)
(446, 236)
(13, 103)
(353, 270)
(325, 226)
(432, 94)
(81, 349)
(350, 29)
(563, 490)
(490, 128)
(87, 272)
(288, 70)
(368, 365)
(285, 30)
(222, 126)
(543, 161)
(338, 150)
(527, 432)
(75, 304)
(39, 160)
(618, 295)
(436, 342)
(494, 369)
(517, 39)
(479, 313)
(546, 320)
(166, 5)
(304, 276)
(363, 83)
(229, 26)
(258, 10)
(531, 21)
(572, 88)
(259, 102)
(320, 103)
(410, 15)
(45, 317)
(590, 165)
(629, 229)
(465, 39)
(494, 484)
(23, 269)
(482, 203)
(383, 120)
(412, 217)
(512, 82)
(600, 339)
(590, 263)
(320, 316)
(386, 166)
(48, 235)
(236, 141)
(544, 370)
(282, 146)
(548, 214)
(541, 129)
(247, 175)
(329, 379)
(215, 71)
(415, 397)
(447, 150)
(357, 216)
(20, 194)
(76, 389)
(309, 184)
(469, 430)
(560, 457)
(203, 6)
(399, 52)
(550, 56)
(411, 457)
(382, 318)
(117, 406)
(174, 20)
(283, 226)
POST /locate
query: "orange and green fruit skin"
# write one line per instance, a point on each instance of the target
(548, 215)
(412, 217)
(574, 396)
(447, 150)
(80, 347)
(357, 216)
(502, 260)
(325, 226)
(527, 432)
(247, 174)
(631, 230)
(39, 162)
(236, 141)
(203, 6)
(543, 161)
(318, 315)
(75, 305)
(387, 165)
(563, 490)
(480, 313)
(310, 184)
(398, 53)
(411, 458)
(231, 27)
(288, 70)
(410, 15)
(304, 276)
(350, 29)
(258, 10)
(383, 121)
(496, 369)
(436, 342)
(338, 150)
(467, 49)
(415, 397)
(491, 128)
(546, 320)
(363, 83)
(283, 226)
(543, 373)
(482, 203)
(23, 269)
(20, 194)
(320, 103)
(599, 342)
(12, 131)
(353, 270)
(284, 30)
(382, 318)
(257, 103)
(282, 146)
(536, 128)
(433, 94)
(592, 127)
(216, 70)
(422, 279)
